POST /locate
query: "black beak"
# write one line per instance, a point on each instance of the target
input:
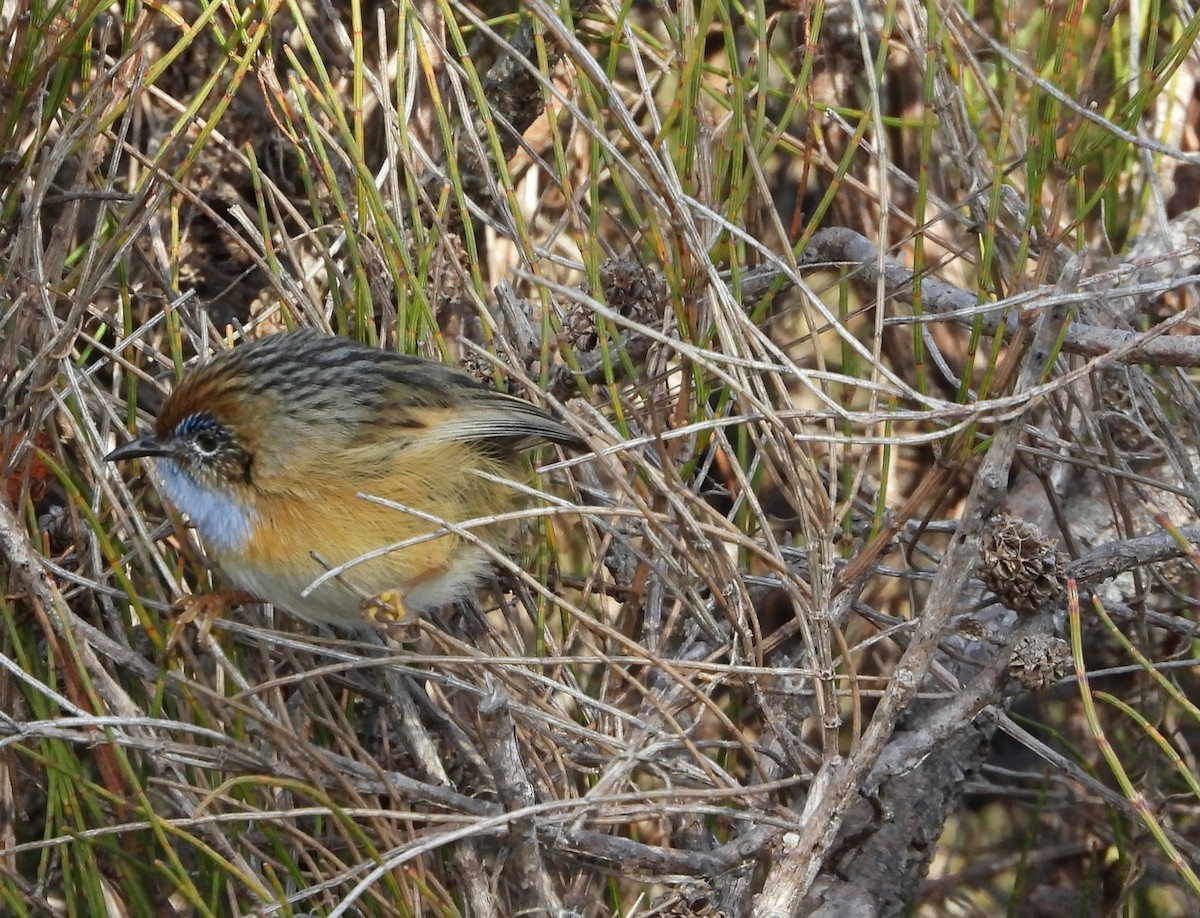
(139, 448)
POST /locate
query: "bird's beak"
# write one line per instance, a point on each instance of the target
(139, 448)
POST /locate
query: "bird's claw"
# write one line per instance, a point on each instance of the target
(389, 614)
(204, 608)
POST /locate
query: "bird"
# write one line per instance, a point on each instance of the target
(269, 448)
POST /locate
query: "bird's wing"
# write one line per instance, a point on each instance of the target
(444, 404)
(484, 414)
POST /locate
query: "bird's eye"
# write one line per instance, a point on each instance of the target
(202, 433)
(207, 441)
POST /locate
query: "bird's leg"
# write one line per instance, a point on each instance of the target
(205, 608)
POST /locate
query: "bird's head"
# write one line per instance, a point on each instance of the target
(204, 443)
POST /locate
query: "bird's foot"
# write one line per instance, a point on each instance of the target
(204, 609)
(389, 614)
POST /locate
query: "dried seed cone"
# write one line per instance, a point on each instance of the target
(1020, 565)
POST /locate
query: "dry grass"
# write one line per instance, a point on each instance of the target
(823, 289)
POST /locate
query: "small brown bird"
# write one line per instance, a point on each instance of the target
(268, 447)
